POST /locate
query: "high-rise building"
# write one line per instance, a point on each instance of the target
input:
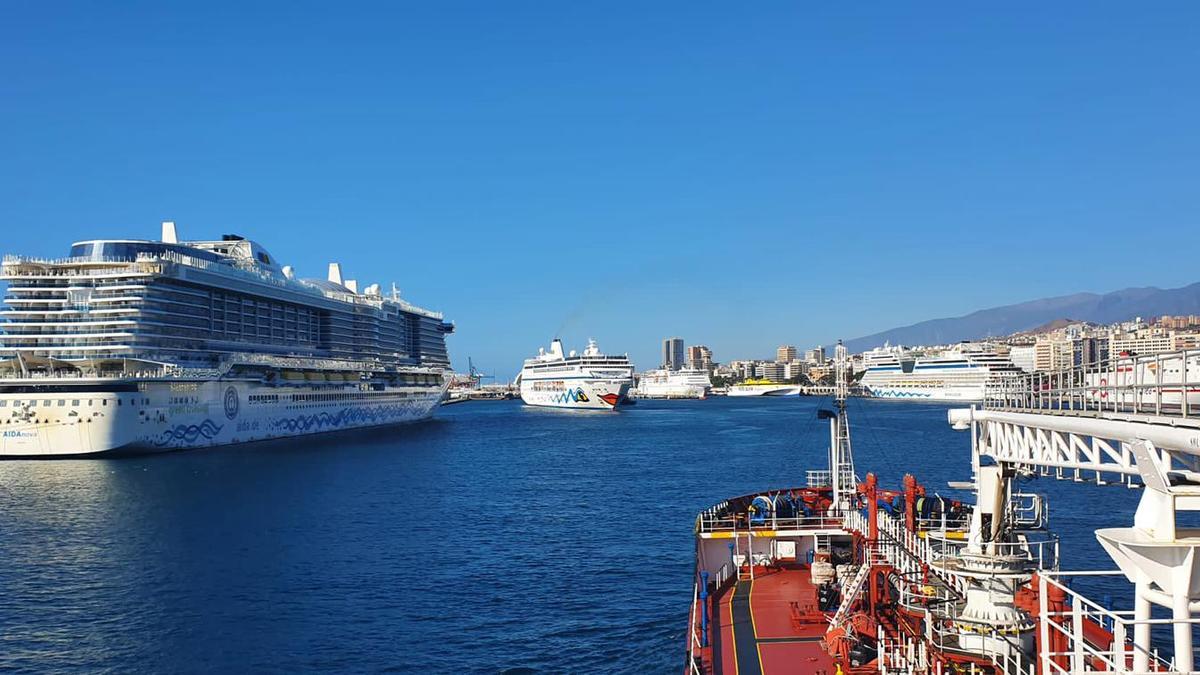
(673, 353)
(785, 354)
(815, 356)
(1090, 351)
(700, 357)
(1053, 354)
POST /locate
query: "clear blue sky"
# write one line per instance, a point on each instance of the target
(740, 174)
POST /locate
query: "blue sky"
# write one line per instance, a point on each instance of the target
(740, 174)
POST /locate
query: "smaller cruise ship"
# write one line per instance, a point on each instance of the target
(764, 388)
(959, 374)
(590, 380)
(663, 383)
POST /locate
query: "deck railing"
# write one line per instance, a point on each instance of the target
(86, 267)
(1079, 654)
(1166, 384)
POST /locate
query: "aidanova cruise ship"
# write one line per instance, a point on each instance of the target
(959, 374)
(158, 345)
(587, 381)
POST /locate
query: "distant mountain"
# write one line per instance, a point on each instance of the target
(1106, 308)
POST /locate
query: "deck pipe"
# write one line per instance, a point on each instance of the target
(704, 608)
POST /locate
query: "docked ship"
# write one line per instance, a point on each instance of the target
(961, 374)
(161, 345)
(764, 388)
(664, 383)
(845, 574)
(587, 381)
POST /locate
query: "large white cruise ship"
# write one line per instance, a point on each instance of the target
(581, 381)
(159, 345)
(959, 374)
(664, 383)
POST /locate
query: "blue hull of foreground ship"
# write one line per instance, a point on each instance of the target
(162, 345)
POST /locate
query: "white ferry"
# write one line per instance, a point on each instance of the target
(764, 388)
(684, 383)
(161, 345)
(960, 374)
(580, 381)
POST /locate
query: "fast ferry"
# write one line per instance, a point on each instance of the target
(843, 574)
(961, 374)
(161, 345)
(663, 383)
(587, 381)
(764, 388)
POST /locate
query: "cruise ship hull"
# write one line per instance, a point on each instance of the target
(576, 394)
(155, 416)
(671, 391)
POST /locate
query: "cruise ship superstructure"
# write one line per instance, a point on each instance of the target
(158, 345)
(683, 383)
(587, 381)
(960, 374)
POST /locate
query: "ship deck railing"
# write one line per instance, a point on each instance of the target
(903, 656)
(169, 371)
(1164, 385)
(1037, 549)
(73, 375)
(708, 524)
(1081, 655)
(229, 269)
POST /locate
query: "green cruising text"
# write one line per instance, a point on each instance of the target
(156, 345)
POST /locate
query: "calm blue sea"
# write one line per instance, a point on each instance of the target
(498, 538)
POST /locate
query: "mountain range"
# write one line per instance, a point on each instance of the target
(998, 321)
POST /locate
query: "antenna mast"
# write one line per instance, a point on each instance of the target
(841, 456)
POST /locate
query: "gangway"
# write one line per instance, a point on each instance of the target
(1133, 422)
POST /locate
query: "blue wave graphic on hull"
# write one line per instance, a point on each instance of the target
(571, 395)
(188, 433)
(343, 418)
(901, 394)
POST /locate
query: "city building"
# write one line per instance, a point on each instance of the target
(700, 357)
(1090, 351)
(1023, 357)
(1141, 343)
(1053, 353)
(815, 356)
(1179, 322)
(818, 373)
(773, 371)
(743, 370)
(785, 354)
(795, 369)
(673, 357)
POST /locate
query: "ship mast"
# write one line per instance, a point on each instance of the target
(841, 455)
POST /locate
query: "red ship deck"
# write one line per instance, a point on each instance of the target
(770, 625)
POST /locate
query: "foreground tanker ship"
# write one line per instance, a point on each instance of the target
(160, 345)
(850, 575)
